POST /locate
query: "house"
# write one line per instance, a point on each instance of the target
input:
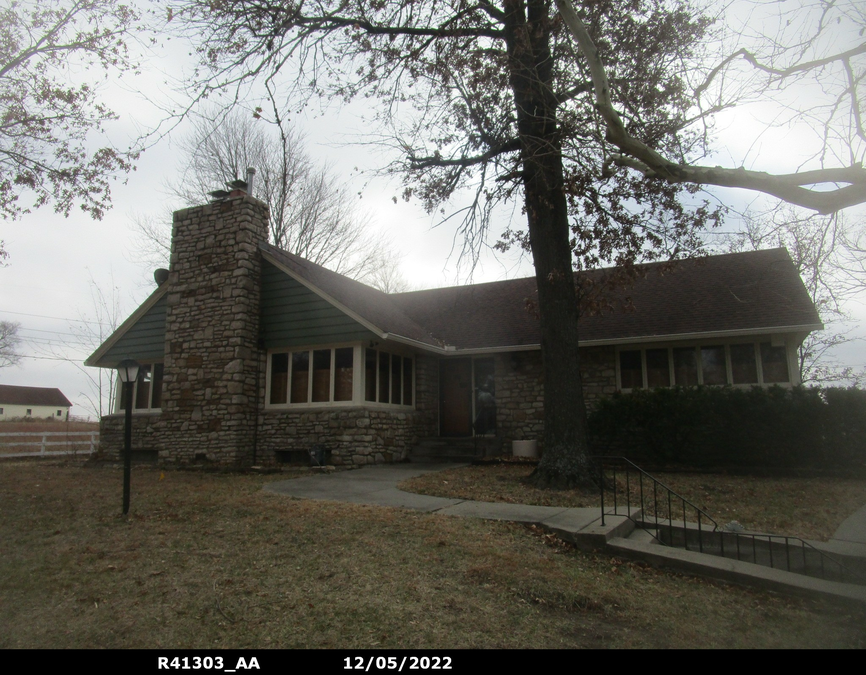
(252, 355)
(33, 402)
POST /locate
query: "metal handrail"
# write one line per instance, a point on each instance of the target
(656, 484)
(795, 554)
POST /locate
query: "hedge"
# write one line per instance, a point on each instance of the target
(722, 427)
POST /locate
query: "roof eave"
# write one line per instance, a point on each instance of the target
(143, 308)
(449, 350)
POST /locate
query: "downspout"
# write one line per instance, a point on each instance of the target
(260, 343)
(256, 426)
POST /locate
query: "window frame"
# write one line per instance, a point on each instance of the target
(358, 399)
(149, 409)
(697, 347)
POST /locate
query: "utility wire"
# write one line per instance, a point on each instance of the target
(60, 318)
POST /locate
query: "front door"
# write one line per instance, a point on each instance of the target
(455, 397)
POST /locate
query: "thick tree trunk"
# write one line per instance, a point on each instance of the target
(565, 461)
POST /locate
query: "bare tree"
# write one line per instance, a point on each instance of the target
(9, 342)
(84, 336)
(311, 213)
(823, 248)
(387, 278)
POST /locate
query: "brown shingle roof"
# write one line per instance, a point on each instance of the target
(737, 292)
(12, 395)
(734, 292)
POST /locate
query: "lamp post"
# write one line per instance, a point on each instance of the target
(127, 371)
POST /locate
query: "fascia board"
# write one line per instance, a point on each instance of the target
(143, 308)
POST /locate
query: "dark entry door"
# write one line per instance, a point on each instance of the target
(455, 397)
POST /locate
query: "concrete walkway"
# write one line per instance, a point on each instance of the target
(850, 538)
(377, 485)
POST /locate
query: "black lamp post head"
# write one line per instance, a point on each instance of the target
(127, 370)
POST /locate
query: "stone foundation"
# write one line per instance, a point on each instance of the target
(352, 436)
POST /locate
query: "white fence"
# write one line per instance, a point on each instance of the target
(72, 440)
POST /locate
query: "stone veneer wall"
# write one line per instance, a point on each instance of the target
(355, 435)
(145, 434)
(212, 361)
(520, 389)
(352, 435)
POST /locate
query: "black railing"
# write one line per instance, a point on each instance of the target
(628, 486)
(626, 489)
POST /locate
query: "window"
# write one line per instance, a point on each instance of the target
(739, 364)
(744, 367)
(29, 412)
(630, 370)
(685, 367)
(344, 373)
(388, 378)
(59, 413)
(328, 375)
(774, 363)
(713, 365)
(658, 373)
(147, 391)
(485, 396)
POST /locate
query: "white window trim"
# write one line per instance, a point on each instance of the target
(118, 408)
(756, 343)
(392, 406)
(358, 379)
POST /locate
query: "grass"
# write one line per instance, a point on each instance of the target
(812, 508)
(211, 560)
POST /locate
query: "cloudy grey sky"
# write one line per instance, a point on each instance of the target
(57, 264)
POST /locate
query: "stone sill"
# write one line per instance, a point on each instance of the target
(135, 413)
(306, 407)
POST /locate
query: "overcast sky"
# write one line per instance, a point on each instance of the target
(56, 263)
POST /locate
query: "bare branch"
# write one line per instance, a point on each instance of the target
(9, 342)
(637, 155)
(424, 162)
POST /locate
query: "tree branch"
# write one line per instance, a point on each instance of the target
(325, 23)
(637, 155)
(436, 160)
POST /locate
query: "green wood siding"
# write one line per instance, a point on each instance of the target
(145, 341)
(292, 315)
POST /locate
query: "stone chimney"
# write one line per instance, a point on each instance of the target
(212, 358)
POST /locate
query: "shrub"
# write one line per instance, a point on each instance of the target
(731, 427)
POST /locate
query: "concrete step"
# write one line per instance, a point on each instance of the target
(455, 449)
(642, 536)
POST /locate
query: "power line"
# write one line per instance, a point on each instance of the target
(60, 318)
(46, 358)
(41, 330)
(47, 340)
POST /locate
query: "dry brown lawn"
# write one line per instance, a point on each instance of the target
(210, 560)
(811, 508)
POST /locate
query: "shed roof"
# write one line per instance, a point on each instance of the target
(14, 395)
